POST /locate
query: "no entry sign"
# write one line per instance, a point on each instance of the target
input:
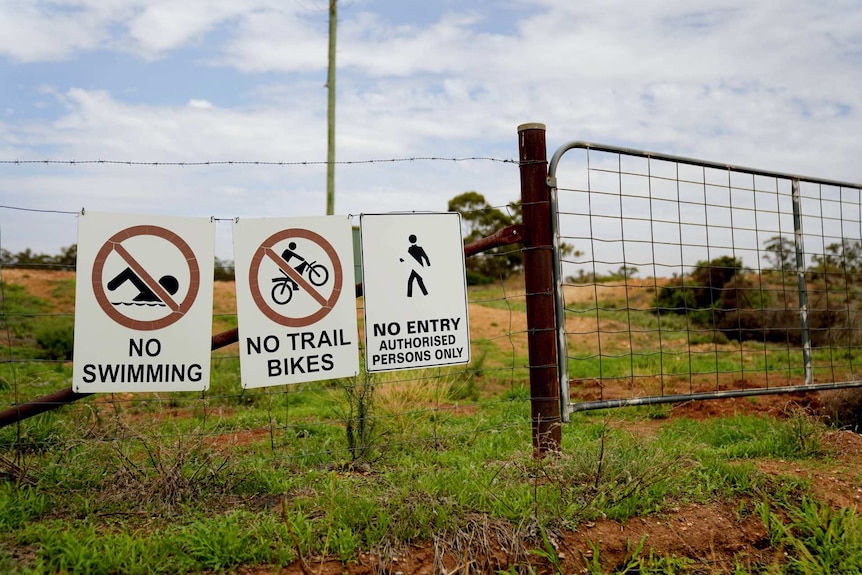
(143, 303)
(295, 299)
(415, 291)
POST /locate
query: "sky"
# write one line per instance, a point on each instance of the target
(768, 84)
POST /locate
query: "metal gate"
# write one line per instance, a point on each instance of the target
(680, 279)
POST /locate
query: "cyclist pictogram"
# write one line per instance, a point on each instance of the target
(284, 286)
(307, 264)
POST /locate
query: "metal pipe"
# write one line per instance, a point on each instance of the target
(800, 282)
(555, 160)
(727, 394)
(559, 303)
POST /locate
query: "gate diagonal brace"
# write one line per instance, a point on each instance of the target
(503, 237)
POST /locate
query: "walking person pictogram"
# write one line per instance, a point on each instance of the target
(146, 296)
(418, 254)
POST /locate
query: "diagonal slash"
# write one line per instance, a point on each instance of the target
(146, 277)
(295, 276)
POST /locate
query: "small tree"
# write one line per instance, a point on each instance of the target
(780, 254)
(68, 257)
(840, 263)
(479, 219)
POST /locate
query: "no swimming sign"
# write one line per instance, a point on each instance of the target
(143, 303)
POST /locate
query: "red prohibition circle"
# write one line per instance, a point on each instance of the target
(114, 243)
(257, 292)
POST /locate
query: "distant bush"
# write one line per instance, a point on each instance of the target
(56, 338)
(705, 289)
(842, 408)
(718, 296)
(66, 259)
(477, 279)
(224, 270)
(712, 288)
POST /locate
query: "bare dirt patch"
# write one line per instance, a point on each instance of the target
(42, 284)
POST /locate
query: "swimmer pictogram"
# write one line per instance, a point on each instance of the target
(149, 289)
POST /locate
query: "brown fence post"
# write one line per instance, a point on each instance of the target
(539, 285)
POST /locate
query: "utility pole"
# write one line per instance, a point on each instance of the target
(330, 111)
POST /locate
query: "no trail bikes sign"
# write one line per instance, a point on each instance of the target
(143, 303)
(415, 291)
(295, 299)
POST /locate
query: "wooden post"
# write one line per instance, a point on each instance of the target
(539, 280)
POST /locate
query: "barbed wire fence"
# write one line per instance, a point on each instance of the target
(368, 415)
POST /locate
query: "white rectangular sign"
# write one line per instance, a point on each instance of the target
(143, 303)
(415, 291)
(296, 299)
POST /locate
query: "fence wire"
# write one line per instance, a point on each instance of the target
(683, 279)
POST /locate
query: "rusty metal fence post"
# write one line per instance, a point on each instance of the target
(539, 287)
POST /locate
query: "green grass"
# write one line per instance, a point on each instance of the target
(816, 537)
(496, 296)
(167, 501)
(212, 482)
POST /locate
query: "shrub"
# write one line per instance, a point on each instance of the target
(224, 270)
(706, 288)
(842, 408)
(475, 278)
(56, 338)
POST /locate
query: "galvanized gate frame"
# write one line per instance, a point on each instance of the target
(567, 407)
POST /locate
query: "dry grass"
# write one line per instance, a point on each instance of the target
(402, 402)
(842, 408)
(155, 473)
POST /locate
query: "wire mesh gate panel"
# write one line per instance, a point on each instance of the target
(681, 279)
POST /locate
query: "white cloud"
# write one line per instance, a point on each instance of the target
(159, 26)
(41, 31)
(200, 104)
(767, 84)
(277, 40)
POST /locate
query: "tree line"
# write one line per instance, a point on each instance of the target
(65, 260)
(723, 296)
(68, 257)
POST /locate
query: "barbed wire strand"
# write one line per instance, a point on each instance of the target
(260, 162)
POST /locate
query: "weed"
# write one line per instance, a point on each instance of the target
(816, 537)
(19, 505)
(359, 422)
(548, 552)
(220, 544)
(154, 473)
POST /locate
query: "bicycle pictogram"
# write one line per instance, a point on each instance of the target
(284, 286)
